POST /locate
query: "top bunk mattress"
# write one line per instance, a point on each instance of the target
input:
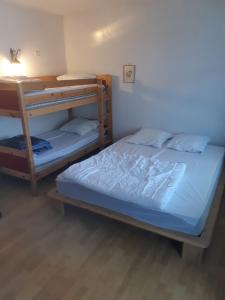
(60, 89)
(64, 99)
(188, 208)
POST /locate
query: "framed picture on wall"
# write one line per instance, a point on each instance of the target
(129, 73)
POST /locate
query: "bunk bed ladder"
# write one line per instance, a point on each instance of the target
(105, 110)
(101, 114)
(108, 101)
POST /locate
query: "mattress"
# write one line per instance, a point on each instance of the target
(187, 210)
(49, 91)
(60, 89)
(63, 144)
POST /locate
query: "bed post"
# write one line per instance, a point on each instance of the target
(26, 132)
(192, 254)
(70, 114)
(62, 209)
(108, 79)
(105, 109)
(101, 114)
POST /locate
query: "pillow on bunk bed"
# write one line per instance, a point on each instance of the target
(80, 126)
(76, 76)
(150, 137)
(189, 143)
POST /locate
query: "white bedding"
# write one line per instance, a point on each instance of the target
(195, 190)
(192, 198)
(63, 144)
(142, 180)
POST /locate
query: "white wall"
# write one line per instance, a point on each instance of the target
(31, 30)
(179, 49)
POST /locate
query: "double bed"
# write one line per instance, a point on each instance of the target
(190, 214)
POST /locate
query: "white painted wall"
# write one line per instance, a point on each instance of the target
(32, 30)
(179, 49)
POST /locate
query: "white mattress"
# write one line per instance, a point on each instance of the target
(195, 189)
(59, 89)
(62, 100)
(64, 144)
(188, 208)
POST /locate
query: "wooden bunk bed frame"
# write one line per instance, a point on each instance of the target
(193, 247)
(14, 98)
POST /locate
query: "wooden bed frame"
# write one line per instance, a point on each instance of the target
(14, 101)
(192, 246)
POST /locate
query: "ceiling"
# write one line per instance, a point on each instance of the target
(63, 7)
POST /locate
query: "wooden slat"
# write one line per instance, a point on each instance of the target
(32, 99)
(12, 151)
(63, 106)
(9, 113)
(7, 86)
(41, 85)
(13, 162)
(15, 173)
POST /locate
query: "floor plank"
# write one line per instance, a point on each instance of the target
(84, 256)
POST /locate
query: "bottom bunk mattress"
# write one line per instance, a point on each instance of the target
(63, 144)
(189, 206)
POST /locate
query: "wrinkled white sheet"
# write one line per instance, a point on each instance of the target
(145, 181)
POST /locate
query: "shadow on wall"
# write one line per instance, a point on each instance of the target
(10, 126)
(138, 105)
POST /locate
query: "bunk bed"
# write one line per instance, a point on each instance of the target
(24, 99)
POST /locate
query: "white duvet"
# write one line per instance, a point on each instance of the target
(142, 180)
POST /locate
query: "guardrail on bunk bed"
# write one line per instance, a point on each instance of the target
(34, 97)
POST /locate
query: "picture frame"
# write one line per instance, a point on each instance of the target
(129, 73)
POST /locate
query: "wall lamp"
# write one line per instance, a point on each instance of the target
(14, 54)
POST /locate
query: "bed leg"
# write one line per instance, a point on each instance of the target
(62, 208)
(34, 188)
(192, 254)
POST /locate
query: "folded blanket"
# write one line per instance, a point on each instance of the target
(141, 180)
(18, 142)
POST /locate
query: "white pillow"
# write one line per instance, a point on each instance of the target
(80, 126)
(150, 137)
(189, 143)
(76, 76)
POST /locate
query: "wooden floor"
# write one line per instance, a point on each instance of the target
(85, 256)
